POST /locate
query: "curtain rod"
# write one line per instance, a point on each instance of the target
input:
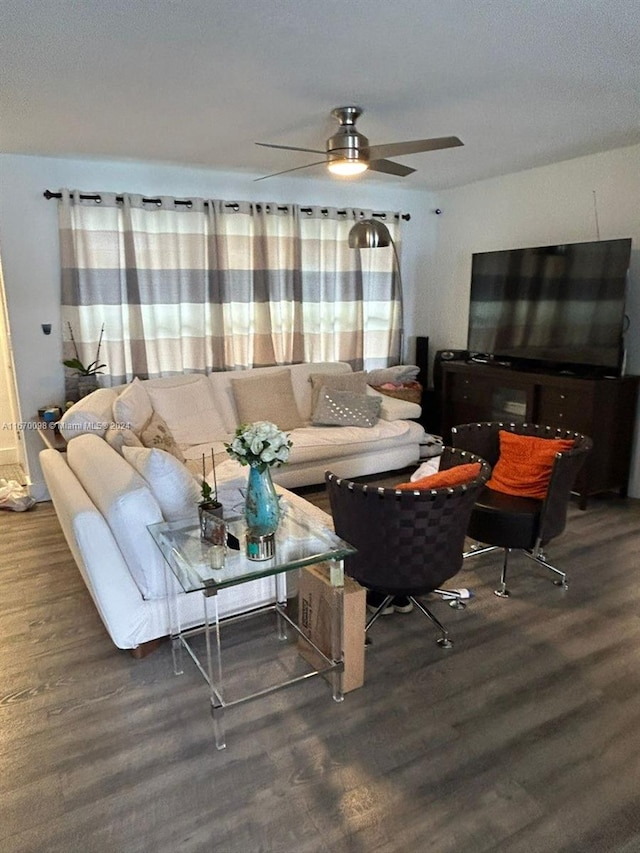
(187, 203)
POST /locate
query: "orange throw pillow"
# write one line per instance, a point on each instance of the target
(449, 477)
(524, 465)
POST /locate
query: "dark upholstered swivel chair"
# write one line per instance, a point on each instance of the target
(502, 521)
(409, 542)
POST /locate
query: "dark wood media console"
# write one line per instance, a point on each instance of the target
(603, 409)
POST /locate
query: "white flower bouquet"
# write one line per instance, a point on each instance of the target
(261, 445)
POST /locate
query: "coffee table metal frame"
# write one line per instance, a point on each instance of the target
(300, 541)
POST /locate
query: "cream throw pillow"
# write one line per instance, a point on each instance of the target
(156, 433)
(171, 484)
(190, 411)
(268, 397)
(132, 408)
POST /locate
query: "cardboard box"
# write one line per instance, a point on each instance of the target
(315, 596)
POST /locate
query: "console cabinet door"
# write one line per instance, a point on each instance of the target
(573, 408)
(470, 396)
(566, 407)
(465, 398)
(604, 410)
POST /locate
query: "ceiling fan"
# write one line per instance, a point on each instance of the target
(348, 151)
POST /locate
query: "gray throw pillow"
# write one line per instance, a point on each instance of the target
(354, 382)
(344, 408)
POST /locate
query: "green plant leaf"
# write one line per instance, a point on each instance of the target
(205, 491)
(75, 364)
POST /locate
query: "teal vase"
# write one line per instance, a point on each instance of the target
(261, 508)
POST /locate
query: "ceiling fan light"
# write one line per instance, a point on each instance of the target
(347, 168)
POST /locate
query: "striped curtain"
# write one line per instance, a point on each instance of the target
(210, 285)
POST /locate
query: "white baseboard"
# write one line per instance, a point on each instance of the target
(9, 456)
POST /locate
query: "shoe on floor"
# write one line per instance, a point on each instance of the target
(374, 600)
(402, 604)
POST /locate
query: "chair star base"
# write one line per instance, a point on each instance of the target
(408, 542)
(536, 555)
(520, 521)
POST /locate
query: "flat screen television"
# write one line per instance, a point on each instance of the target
(558, 308)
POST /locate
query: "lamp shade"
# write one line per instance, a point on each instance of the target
(369, 234)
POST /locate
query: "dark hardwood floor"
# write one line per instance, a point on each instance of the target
(523, 738)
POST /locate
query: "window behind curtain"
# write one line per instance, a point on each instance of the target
(214, 285)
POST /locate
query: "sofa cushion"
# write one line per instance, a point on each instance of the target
(156, 433)
(132, 407)
(194, 461)
(354, 382)
(127, 505)
(344, 408)
(189, 409)
(267, 397)
(171, 484)
(317, 443)
(91, 414)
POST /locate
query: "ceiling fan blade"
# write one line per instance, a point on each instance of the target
(290, 148)
(397, 149)
(390, 168)
(296, 169)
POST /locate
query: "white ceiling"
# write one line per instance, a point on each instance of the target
(522, 82)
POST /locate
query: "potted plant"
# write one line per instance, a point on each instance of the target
(87, 375)
(209, 507)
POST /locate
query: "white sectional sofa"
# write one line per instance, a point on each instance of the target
(104, 507)
(202, 413)
(108, 487)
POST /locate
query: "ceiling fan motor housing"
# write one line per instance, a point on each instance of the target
(347, 143)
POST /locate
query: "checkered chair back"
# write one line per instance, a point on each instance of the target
(409, 543)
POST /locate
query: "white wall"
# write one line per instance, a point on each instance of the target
(9, 434)
(30, 252)
(547, 205)
(553, 204)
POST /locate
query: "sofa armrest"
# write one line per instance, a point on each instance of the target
(95, 551)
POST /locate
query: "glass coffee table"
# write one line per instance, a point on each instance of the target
(300, 541)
